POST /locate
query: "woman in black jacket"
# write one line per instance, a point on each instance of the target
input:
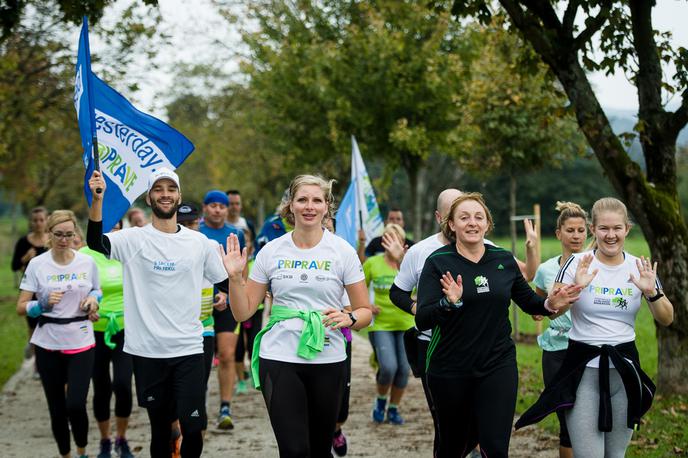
(464, 295)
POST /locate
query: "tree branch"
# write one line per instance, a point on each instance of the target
(543, 10)
(594, 25)
(679, 118)
(570, 18)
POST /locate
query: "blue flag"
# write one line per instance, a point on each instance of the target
(347, 215)
(131, 144)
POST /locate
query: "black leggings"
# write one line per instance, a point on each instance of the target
(551, 362)
(472, 410)
(303, 403)
(346, 392)
(119, 384)
(248, 334)
(67, 407)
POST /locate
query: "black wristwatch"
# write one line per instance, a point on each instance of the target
(656, 297)
(353, 318)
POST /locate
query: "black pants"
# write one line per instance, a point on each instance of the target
(247, 336)
(303, 402)
(67, 407)
(422, 355)
(208, 354)
(551, 362)
(170, 389)
(120, 383)
(472, 410)
(346, 392)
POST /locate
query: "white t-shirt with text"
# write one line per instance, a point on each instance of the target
(305, 279)
(163, 280)
(78, 278)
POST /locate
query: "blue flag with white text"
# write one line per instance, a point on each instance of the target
(131, 144)
(347, 215)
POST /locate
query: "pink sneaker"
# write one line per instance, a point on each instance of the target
(339, 443)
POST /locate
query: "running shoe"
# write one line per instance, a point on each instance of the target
(241, 387)
(379, 410)
(339, 443)
(122, 448)
(224, 420)
(105, 449)
(394, 417)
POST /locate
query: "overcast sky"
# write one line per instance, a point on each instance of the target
(196, 27)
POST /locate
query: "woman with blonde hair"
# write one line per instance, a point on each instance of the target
(387, 333)
(67, 288)
(299, 357)
(571, 231)
(601, 386)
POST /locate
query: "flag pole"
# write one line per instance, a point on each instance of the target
(91, 110)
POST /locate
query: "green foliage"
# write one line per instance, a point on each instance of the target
(515, 120)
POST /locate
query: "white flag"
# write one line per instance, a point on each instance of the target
(367, 210)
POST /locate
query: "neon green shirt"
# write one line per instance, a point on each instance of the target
(112, 304)
(379, 276)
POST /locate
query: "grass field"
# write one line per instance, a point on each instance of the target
(664, 433)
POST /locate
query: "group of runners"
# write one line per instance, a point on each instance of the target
(161, 300)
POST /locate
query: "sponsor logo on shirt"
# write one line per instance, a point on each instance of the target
(304, 264)
(284, 277)
(620, 303)
(165, 266)
(61, 278)
(606, 291)
(303, 278)
(481, 284)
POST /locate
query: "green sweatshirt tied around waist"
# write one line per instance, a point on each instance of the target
(312, 338)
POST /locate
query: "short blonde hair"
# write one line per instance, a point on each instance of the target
(397, 230)
(284, 209)
(59, 217)
(475, 196)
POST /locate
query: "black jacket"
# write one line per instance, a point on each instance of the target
(561, 394)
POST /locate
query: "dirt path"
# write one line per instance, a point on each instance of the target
(26, 428)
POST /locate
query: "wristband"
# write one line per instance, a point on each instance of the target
(445, 304)
(353, 318)
(656, 297)
(547, 307)
(98, 294)
(34, 309)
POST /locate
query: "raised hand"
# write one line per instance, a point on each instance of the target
(583, 277)
(531, 233)
(234, 259)
(452, 289)
(647, 278)
(394, 246)
(97, 182)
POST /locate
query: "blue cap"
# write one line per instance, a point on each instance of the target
(216, 196)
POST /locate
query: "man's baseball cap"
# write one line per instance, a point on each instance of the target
(187, 211)
(216, 196)
(163, 172)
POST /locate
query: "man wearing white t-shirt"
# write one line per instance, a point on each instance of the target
(164, 266)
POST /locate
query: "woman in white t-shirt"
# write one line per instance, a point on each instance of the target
(67, 288)
(602, 366)
(299, 358)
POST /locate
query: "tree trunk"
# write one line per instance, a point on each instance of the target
(652, 199)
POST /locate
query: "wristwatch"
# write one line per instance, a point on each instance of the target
(353, 318)
(656, 297)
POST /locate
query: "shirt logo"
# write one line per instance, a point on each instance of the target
(620, 303)
(166, 266)
(500, 267)
(481, 284)
(303, 278)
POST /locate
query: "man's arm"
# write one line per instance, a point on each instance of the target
(94, 233)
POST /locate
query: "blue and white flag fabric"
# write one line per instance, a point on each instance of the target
(347, 216)
(131, 144)
(368, 211)
(359, 207)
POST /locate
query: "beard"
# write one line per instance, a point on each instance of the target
(162, 214)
